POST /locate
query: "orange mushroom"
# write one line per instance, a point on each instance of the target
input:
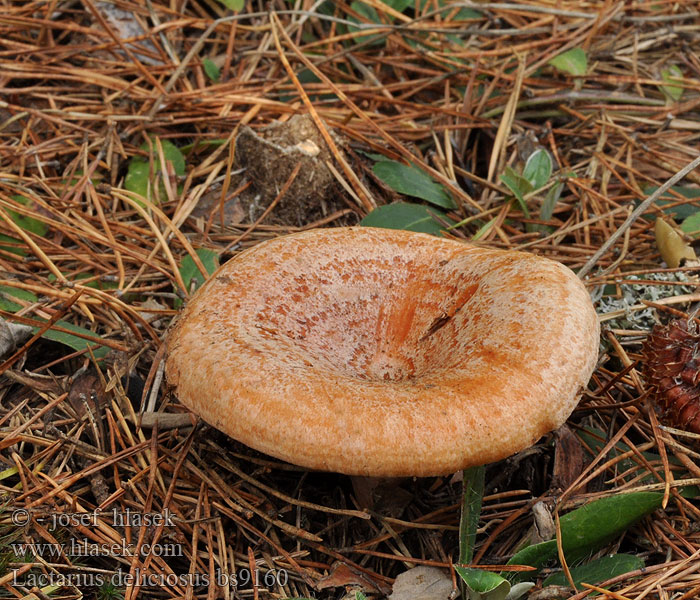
(384, 353)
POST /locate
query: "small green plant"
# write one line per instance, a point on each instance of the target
(535, 175)
(672, 76)
(211, 69)
(370, 15)
(190, 273)
(139, 178)
(411, 217)
(28, 224)
(574, 62)
(412, 181)
(584, 531)
(109, 591)
(14, 299)
(234, 5)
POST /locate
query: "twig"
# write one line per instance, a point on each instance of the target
(641, 209)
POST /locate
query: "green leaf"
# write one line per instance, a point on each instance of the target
(483, 230)
(595, 439)
(374, 156)
(671, 75)
(172, 154)
(467, 14)
(212, 71)
(572, 61)
(519, 186)
(233, 4)
(14, 246)
(77, 176)
(399, 5)
(187, 148)
(190, 272)
(138, 174)
(412, 181)
(367, 11)
(519, 590)
(553, 195)
(304, 76)
(597, 571)
(483, 585)
(550, 201)
(691, 225)
(411, 217)
(462, 14)
(590, 527)
(680, 211)
(95, 282)
(538, 168)
(29, 224)
(9, 294)
(370, 14)
(73, 341)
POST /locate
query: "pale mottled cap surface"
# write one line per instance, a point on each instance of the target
(382, 352)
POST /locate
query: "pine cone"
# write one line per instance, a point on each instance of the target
(671, 367)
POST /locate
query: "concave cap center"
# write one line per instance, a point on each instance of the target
(381, 318)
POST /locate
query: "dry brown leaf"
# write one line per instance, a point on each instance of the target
(423, 583)
(12, 335)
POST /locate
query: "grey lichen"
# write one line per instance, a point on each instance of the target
(627, 296)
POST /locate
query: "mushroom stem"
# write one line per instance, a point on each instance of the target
(472, 495)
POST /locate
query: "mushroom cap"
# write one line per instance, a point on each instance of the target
(383, 352)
